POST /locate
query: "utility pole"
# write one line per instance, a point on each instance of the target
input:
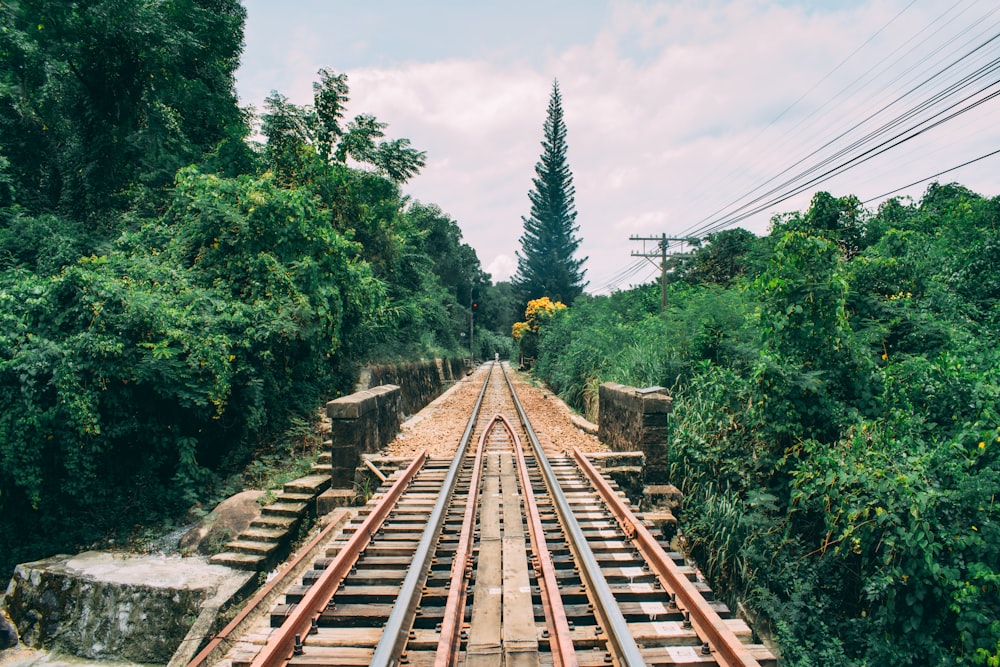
(662, 244)
(472, 325)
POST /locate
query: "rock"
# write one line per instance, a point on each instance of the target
(229, 518)
(584, 424)
(8, 633)
(111, 606)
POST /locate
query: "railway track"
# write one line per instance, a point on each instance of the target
(501, 555)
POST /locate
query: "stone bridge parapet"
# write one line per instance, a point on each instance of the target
(633, 419)
(362, 423)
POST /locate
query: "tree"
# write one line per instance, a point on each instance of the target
(840, 219)
(300, 135)
(545, 264)
(723, 259)
(101, 101)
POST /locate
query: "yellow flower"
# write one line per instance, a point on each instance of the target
(885, 356)
(982, 445)
(519, 329)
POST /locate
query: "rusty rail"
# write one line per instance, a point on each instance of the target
(223, 637)
(560, 636)
(296, 628)
(730, 651)
(619, 637)
(454, 614)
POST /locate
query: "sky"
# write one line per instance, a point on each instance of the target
(678, 113)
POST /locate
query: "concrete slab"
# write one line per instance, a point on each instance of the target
(484, 645)
(520, 636)
(105, 606)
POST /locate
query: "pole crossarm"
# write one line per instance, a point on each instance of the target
(663, 244)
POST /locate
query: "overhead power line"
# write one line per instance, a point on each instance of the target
(965, 75)
(927, 178)
(922, 117)
(620, 277)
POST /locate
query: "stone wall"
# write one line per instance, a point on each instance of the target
(367, 420)
(117, 607)
(363, 422)
(420, 382)
(636, 419)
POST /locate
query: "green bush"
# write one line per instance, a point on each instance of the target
(836, 429)
(131, 375)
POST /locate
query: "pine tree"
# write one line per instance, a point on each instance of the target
(545, 264)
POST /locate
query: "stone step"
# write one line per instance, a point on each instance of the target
(321, 469)
(279, 521)
(326, 456)
(311, 484)
(664, 520)
(263, 534)
(285, 509)
(246, 546)
(286, 497)
(331, 499)
(662, 495)
(617, 459)
(240, 561)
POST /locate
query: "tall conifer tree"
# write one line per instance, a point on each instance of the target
(545, 264)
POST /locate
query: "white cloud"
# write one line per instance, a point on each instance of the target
(667, 108)
(502, 267)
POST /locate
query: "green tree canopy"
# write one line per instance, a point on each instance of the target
(836, 430)
(298, 136)
(546, 265)
(101, 101)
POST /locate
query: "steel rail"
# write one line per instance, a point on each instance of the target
(222, 639)
(451, 640)
(560, 636)
(394, 634)
(296, 627)
(622, 642)
(707, 623)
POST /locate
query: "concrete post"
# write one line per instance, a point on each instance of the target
(637, 419)
(363, 422)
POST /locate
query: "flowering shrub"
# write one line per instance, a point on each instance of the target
(541, 310)
(520, 328)
(538, 312)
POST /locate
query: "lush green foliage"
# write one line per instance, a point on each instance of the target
(129, 375)
(101, 102)
(298, 137)
(837, 421)
(546, 265)
(161, 322)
